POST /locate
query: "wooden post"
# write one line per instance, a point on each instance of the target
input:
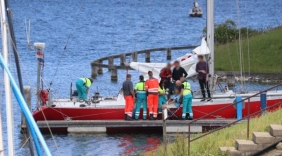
(134, 57)
(164, 131)
(100, 68)
(147, 56)
(27, 97)
(122, 59)
(114, 76)
(94, 70)
(168, 54)
(111, 61)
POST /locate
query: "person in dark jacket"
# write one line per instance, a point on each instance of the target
(177, 73)
(202, 68)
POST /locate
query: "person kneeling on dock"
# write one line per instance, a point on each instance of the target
(129, 96)
(152, 86)
(82, 87)
(141, 98)
(162, 97)
(187, 96)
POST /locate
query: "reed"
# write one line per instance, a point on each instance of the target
(209, 145)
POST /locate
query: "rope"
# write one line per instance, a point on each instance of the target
(65, 48)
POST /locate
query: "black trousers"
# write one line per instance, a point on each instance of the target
(205, 86)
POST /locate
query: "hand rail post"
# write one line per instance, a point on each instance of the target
(248, 126)
(189, 139)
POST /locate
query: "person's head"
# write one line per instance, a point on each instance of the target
(150, 73)
(201, 58)
(91, 80)
(162, 83)
(141, 78)
(178, 83)
(182, 78)
(128, 76)
(176, 64)
(168, 66)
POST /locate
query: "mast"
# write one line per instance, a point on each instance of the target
(210, 40)
(1, 137)
(9, 106)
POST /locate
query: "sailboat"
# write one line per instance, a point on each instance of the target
(101, 108)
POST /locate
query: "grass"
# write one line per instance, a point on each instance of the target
(210, 144)
(265, 53)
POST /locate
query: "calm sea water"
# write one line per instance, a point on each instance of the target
(105, 27)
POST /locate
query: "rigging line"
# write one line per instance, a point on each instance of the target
(25, 131)
(248, 42)
(65, 47)
(228, 49)
(55, 142)
(240, 44)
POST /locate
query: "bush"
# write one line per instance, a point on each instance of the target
(228, 32)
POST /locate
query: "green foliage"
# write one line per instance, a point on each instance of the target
(209, 145)
(265, 52)
(228, 32)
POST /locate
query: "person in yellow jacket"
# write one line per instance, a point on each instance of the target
(82, 87)
(141, 98)
(187, 112)
(162, 97)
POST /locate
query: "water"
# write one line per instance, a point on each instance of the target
(105, 27)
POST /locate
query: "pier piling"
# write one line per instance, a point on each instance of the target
(111, 61)
(168, 54)
(100, 68)
(122, 59)
(94, 70)
(147, 57)
(27, 97)
(114, 76)
(134, 57)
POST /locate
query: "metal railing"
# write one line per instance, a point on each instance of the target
(223, 108)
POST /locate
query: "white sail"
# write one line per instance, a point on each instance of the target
(186, 62)
(202, 49)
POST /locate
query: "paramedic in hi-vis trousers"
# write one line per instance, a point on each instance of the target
(152, 87)
(129, 96)
(162, 97)
(187, 112)
(141, 98)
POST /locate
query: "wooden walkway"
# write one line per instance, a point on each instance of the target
(101, 126)
(98, 65)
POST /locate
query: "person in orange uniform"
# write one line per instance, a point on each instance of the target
(129, 96)
(152, 87)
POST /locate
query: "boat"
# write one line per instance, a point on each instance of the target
(112, 108)
(196, 11)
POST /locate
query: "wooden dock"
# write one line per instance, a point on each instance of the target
(103, 126)
(98, 65)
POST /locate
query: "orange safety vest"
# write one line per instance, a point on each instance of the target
(152, 86)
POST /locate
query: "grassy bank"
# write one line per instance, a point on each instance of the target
(226, 137)
(265, 53)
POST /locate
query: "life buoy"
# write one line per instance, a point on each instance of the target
(44, 96)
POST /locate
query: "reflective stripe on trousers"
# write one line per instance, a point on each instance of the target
(162, 101)
(129, 104)
(153, 104)
(141, 101)
(187, 105)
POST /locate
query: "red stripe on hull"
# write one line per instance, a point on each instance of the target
(53, 113)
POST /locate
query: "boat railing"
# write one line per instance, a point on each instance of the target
(247, 118)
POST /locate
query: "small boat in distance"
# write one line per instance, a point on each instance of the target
(196, 11)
